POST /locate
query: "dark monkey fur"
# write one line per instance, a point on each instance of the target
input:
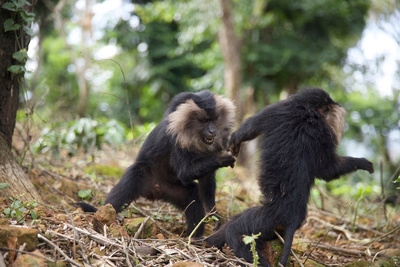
(190, 143)
(300, 137)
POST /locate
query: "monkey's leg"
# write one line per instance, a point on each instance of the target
(289, 233)
(127, 189)
(234, 237)
(186, 198)
(207, 187)
(218, 239)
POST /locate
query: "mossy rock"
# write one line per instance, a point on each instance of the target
(132, 226)
(105, 170)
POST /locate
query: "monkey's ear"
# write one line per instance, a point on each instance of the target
(324, 110)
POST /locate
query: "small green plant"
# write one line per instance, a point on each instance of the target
(252, 241)
(4, 185)
(206, 219)
(84, 133)
(85, 194)
(20, 209)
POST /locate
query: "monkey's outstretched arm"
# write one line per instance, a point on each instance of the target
(344, 165)
(249, 130)
(192, 167)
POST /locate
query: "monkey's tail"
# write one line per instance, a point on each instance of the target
(218, 239)
(85, 206)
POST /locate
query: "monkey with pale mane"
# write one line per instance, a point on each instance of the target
(190, 143)
(300, 136)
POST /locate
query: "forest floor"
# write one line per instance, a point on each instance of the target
(153, 233)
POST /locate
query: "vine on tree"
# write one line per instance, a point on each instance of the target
(19, 23)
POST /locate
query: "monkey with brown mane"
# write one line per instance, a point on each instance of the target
(300, 136)
(189, 144)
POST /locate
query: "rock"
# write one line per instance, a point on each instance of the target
(118, 231)
(132, 226)
(24, 235)
(30, 260)
(4, 221)
(106, 215)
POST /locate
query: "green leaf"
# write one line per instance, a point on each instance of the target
(9, 6)
(4, 185)
(17, 69)
(20, 3)
(10, 26)
(21, 55)
(247, 239)
(28, 17)
(7, 211)
(29, 31)
(33, 215)
(85, 193)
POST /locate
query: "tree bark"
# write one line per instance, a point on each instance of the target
(231, 47)
(231, 50)
(10, 171)
(9, 83)
(12, 174)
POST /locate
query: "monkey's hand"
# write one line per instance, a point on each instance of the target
(364, 164)
(234, 145)
(226, 159)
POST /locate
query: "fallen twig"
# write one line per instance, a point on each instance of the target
(59, 250)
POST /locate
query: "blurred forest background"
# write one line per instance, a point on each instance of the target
(102, 72)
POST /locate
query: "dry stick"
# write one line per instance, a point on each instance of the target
(59, 250)
(25, 252)
(291, 250)
(141, 227)
(76, 237)
(126, 251)
(105, 259)
(96, 237)
(362, 227)
(309, 254)
(383, 191)
(346, 232)
(2, 263)
(344, 251)
(389, 233)
(168, 233)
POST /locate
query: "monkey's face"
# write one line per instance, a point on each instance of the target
(208, 132)
(198, 130)
(334, 115)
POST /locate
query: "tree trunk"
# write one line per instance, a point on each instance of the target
(10, 171)
(9, 83)
(12, 174)
(231, 51)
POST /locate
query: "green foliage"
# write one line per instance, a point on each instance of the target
(20, 209)
(252, 241)
(19, 17)
(83, 134)
(85, 194)
(4, 186)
